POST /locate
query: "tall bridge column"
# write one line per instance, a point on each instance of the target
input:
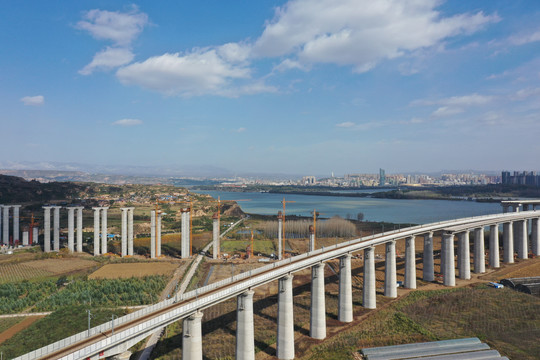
(317, 328)
(46, 229)
(285, 322)
(215, 236)
(508, 242)
(96, 230)
(124, 231)
(390, 283)
(523, 239)
(245, 340)
(185, 234)
(130, 231)
(192, 337)
(56, 228)
(345, 304)
(158, 234)
(79, 229)
(5, 232)
(428, 268)
(449, 271)
(410, 263)
(369, 300)
(479, 252)
(464, 261)
(280, 235)
(71, 229)
(535, 236)
(104, 230)
(153, 233)
(16, 224)
(494, 246)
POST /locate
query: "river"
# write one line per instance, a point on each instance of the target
(389, 210)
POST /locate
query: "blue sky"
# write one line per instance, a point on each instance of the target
(298, 87)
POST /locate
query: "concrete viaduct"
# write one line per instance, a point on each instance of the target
(113, 339)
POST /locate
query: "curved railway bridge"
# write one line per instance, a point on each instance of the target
(112, 339)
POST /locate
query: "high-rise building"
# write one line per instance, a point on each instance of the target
(382, 177)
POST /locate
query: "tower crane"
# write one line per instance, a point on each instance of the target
(284, 202)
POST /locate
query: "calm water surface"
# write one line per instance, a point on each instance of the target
(390, 210)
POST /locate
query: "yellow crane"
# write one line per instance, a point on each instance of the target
(284, 202)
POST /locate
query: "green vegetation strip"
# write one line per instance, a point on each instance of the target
(19, 296)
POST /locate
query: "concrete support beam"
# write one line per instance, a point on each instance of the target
(390, 280)
(71, 229)
(80, 229)
(192, 337)
(245, 339)
(428, 268)
(410, 263)
(215, 236)
(449, 271)
(124, 231)
(153, 233)
(311, 246)
(158, 234)
(186, 251)
(96, 230)
(25, 238)
(16, 224)
(5, 222)
(508, 242)
(345, 303)
(130, 231)
(523, 240)
(1, 220)
(369, 299)
(35, 235)
(317, 327)
(494, 257)
(56, 228)
(104, 230)
(46, 229)
(479, 251)
(535, 236)
(464, 256)
(280, 236)
(285, 322)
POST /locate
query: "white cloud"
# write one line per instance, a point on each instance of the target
(523, 39)
(446, 111)
(108, 59)
(289, 64)
(240, 130)
(234, 52)
(346, 124)
(465, 100)
(360, 33)
(121, 28)
(200, 72)
(37, 100)
(128, 122)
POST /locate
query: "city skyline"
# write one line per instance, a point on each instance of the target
(289, 87)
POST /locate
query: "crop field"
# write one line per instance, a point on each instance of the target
(19, 272)
(39, 269)
(61, 266)
(128, 270)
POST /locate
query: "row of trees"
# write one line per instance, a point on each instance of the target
(335, 226)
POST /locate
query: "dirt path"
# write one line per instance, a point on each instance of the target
(29, 320)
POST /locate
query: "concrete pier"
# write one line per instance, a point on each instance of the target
(317, 327)
(245, 338)
(5, 222)
(280, 235)
(192, 337)
(523, 240)
(494, 246)
(535, 236)
(449, 271)
(215, 236)
(80, 229)
(410, 263)
(369, 299)
(130, 231)
(96, 230)
(71, 229)
(56, 228)
(47, 229)
(158, 234)
(479, 251)
(153, 233)
(508, 243)
(464, 256)
(185, 234)
(104, 230)
(390, 280)
(345, 303)
(35, 235)
(285, 321)
(25, 238)
(124, 232)
(428, 273)
(16, 224)
(1, 220)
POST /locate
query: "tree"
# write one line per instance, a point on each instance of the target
(360, 216)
